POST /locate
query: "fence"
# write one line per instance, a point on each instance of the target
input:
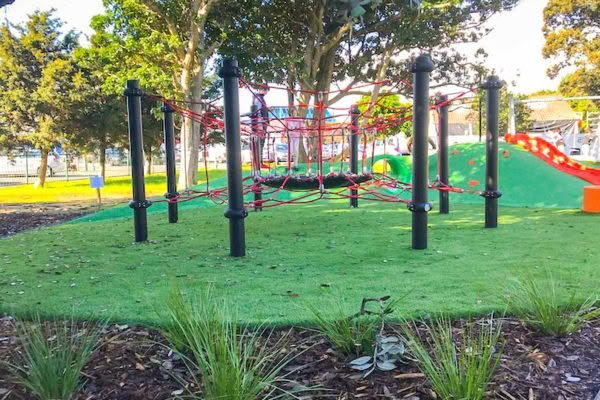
(20, 168)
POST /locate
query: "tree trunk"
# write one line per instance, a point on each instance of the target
(103, 161)
(190, 133)
(148, 155)
(43, 168)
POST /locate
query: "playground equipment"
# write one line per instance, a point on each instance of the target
(551, 155)
(591, 199)
(350, 184)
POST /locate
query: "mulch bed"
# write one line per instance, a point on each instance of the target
(134, 363)
(16, 218)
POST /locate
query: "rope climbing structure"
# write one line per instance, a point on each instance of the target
(313, 152)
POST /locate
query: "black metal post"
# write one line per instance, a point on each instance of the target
(355, 111)
(256, 151)
(443, 153)
(136, 149)
(420, 206)
(235, 212)
(170, 158)
(492, 85)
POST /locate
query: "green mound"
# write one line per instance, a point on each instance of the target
(524, 180)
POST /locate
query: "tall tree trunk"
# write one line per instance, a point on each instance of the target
(190, 131)
(43, 168)
(148, 155)
(103, 160)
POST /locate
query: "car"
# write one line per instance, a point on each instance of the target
(281, 152)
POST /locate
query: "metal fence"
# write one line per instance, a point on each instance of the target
(23, 167)
(593, 120)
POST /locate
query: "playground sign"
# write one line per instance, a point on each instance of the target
(97, 182)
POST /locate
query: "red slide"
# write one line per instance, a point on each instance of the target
(549, 153)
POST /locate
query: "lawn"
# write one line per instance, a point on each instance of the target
(115, 188)
(296, 255)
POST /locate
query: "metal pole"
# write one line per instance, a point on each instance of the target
(420, 206)
(67, 165)
(26, 166)
(443, 153)
(492, 85)
(511, 115)
(355, 111)
(169, 132)
(256, 151)
(236, 212)
(480, 108)
(136, 148)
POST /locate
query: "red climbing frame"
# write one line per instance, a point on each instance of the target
(319, 186)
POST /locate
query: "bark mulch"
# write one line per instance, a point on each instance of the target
(16, 218)
(134, 363)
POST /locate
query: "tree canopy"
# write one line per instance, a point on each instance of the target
(387, 110)
(167, 45)
(39, 82)
(572, 32)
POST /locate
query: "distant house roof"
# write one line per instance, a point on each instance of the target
(557, 110)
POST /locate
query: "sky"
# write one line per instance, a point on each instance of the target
(514, 46)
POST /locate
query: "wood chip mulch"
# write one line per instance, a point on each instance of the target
(135, 363)
(15, 218)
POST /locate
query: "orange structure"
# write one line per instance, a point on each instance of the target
(591, 199)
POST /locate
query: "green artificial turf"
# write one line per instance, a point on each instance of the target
(296, 255)
(524, 180)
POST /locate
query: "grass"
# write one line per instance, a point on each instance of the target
(53, 356)
(79, 190)
(231, 362)
(296, 255)
(352, 336)
(541, 304)
(460, 371)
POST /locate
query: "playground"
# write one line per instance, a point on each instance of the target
(445, 235)
(319, 253)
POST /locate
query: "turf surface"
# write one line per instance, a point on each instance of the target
(296, 255)
(524, 180)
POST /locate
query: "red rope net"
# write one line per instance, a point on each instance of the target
(325, 138)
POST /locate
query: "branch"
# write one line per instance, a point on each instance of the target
(342, 93)
(171, 25)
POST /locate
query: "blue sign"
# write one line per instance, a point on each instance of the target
(96, 182)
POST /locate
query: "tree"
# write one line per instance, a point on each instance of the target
(167, 45)
(99, 123)
(6, 3)
(572, 32)
(308, 47)
(39, 82)
(522, 111)
(388, 111)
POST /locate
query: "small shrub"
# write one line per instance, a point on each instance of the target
(53, 356)
(352, 336)
(232, 363)
(458, 372)
(540, 305)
